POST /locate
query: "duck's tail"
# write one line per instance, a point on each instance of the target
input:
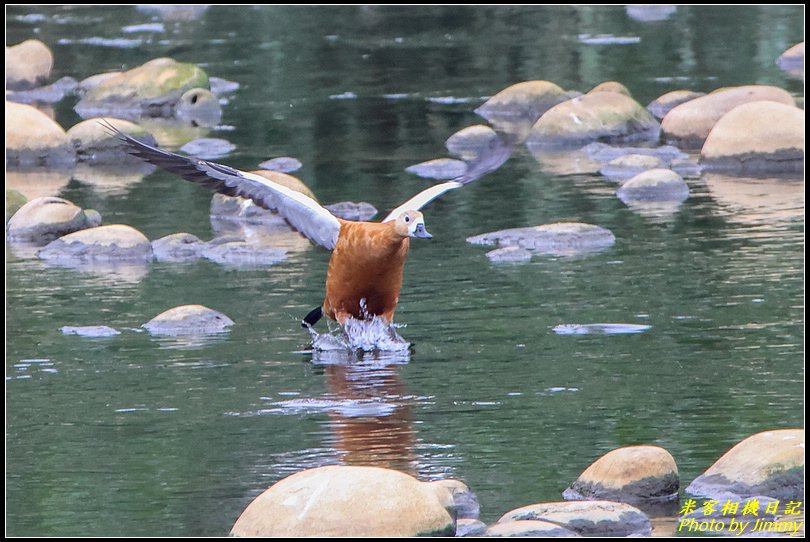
(312, 318)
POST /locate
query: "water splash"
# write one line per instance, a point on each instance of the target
(368, 335)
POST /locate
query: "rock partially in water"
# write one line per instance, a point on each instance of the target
(200, 107)
(439, 168)
(470, 144)
(113, 243)
(243, 253)
(470, 527)
(655, 185)
(688, 125)
(666, 102)
(770, 463)
(602, 152)
(510, 254)
(599, 329)
(792, 61)
(178, 247)
(221, 86)
(650, 12)
(28, 65)
(560, 238)
(587, 518)
(759, 136)
(89, 331)
(348, 501)
(94, 142)
(34, 139)
(526, 100)
(465, 502)
(627, 166)
(42, 220)
(633, 474)
(188, 320)
(48, 94)
(349, 210)
(282, 164)
(608, 117)
(528, 527)
(208, 148)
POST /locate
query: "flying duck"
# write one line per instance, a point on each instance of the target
(365, 271)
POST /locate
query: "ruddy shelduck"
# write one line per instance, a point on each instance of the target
(365, 272)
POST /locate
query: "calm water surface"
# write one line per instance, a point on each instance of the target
(135, 435)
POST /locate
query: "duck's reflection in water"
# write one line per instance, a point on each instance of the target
(372, 423)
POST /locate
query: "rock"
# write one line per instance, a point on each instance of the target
(759, 136)
(470, 527)
(34, 139)
(654, 185)
(44, 219)
(631, 474)
(89, 331)
(188, 320)
(14, 201)
(85, 85)
(608, 117)
(221, 86)
(178, 247)
(599, 329)
(472, 143)
(243, 253)
(610, 86)
(465, 502)
(527, 100)
(39, 182)
(28, 65)
(440, 168)
(282, 164)
(511, 254)
(152, 89)
(770, 463)
(208, 148)
(349, 210)
(48, 94)
(559, 238)
(627, 166)
(528, 527)
(792, 61)
(113, 243)
(666, 102)
(650, 12)
(200, 107)
(605, 153)
(348, 501)
(689, 124)
(94, 142)
(587, 518)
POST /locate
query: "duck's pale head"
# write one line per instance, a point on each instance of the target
(411, 224)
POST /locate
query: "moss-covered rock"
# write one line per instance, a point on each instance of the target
(527, 100)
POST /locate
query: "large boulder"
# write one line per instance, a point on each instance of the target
(633, 474)
(759, 136)
(152, 89)
(347, 501)
(587, 518)
(188, 320)
(102, 244)
(689, 124)
(527, 100)
(44, 219)
(608, 117)
(34, 139)
(28, 65)
(95, 143)
(770, 463)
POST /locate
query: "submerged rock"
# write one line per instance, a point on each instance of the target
(349, 210)
(188, 320)
(608, 117)
(34, 139)
(48, 94)
(602, 152)
(759, 136)
(116, 242)
(243, 253)
(89, 331)
(208, 148)
(770, 463)
(559, 238)
(631, 474)
(526, 100)
(178, 247)
(282, 164)
(347, 501)
(655, 185)
(28, 65)
(627, 166)
(528, 527)
(94, 142)
(587, 518)
(689, 124)
(42, 220)
(439, 168)
(511, 254)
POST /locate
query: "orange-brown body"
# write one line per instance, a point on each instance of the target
(367, 263)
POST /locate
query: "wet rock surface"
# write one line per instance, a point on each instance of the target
(44, 219)
(116, 242)
(188, 320)
(587, 518)
(560, 238)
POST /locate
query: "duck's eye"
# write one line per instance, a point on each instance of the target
(407, 219)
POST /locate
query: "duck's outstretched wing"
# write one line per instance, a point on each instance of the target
(303, 213)
(490, 160)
